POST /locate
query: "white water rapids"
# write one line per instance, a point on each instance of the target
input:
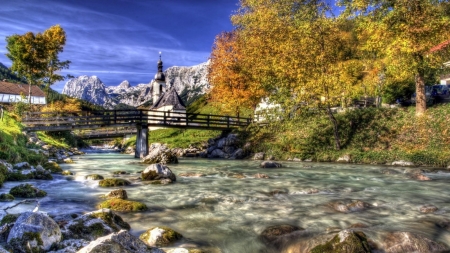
(225, 211)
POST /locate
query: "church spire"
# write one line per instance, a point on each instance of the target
(160, 75)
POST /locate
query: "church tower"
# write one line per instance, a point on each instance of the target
(159, 83)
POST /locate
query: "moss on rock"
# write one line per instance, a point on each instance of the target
(347, 241)
(94, 177)
(3, 173)
(53, 167)
(9, 218)
(111, 182)
(18, 176)
(112, 219)
(67, 173)
(6, 197)
(167, 236)
(31, 241)
(123, 205)
(27, 191)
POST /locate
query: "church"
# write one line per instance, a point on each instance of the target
(166, 101)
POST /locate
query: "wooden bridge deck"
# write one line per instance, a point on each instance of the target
(38, 121)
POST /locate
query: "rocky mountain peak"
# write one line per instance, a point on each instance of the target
(189, 82)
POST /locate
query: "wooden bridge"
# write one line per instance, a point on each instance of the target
(141, 120)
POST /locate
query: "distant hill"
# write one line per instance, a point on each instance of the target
(6, 74)
(189, 82)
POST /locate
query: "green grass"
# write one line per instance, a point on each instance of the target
(372, 135)
(13, 144)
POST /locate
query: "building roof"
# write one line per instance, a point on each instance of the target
(17, 89)
(171, 97)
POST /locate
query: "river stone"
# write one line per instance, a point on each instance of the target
(271, 233)
(93, 225)
(399, 242)
(157, 171)
(94, 177)
(121, 241)
(160, 236)
(27, 191)
(238, 154)
(22, 165)
(270, 164)
(428, 209)
(259, 156)
(420, 177)
(260, 175)
(349, 206)
(402, 163)
(345, 159)
(217, 153)
(33, 231)
(117, 194)
(347, 241)
(159, 153)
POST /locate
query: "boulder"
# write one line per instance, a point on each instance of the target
(238, 154)
(259, 156)
(117, 194)
(121, 241)
(420, 177)
(93, 225)
(270, 164)
(157, 172)
(67, 173)
(22, 166)
(159, 153)
(41, 173)
(347, 241)
(160, 236)
(34, 232)
(67, 160)
(27, 191)
(217, 153)
(398, 242)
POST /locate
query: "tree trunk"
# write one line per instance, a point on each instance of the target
(29, 94)
(337, 140)
(421, 100)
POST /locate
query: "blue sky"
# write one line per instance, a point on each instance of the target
(120, 40)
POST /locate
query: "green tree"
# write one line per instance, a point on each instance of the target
(401, 33)
(35, 56)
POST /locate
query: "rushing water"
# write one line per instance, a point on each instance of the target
(228, 212)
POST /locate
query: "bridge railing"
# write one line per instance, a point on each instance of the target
(46, 121)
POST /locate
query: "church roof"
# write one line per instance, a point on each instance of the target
(171, 97)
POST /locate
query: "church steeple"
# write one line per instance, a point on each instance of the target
(160, 75)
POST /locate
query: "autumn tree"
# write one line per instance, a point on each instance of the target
(401, 34)
(35, 56)
(299, 53)
(231, 89)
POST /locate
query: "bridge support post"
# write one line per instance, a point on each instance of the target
(141, 141)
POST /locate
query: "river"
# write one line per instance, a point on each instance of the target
(224, 210)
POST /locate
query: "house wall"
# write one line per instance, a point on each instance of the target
(178, 115)
(11, 98)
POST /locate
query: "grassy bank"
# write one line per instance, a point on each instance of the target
(372, 135)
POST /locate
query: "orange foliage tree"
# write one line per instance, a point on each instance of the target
(232, 87)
